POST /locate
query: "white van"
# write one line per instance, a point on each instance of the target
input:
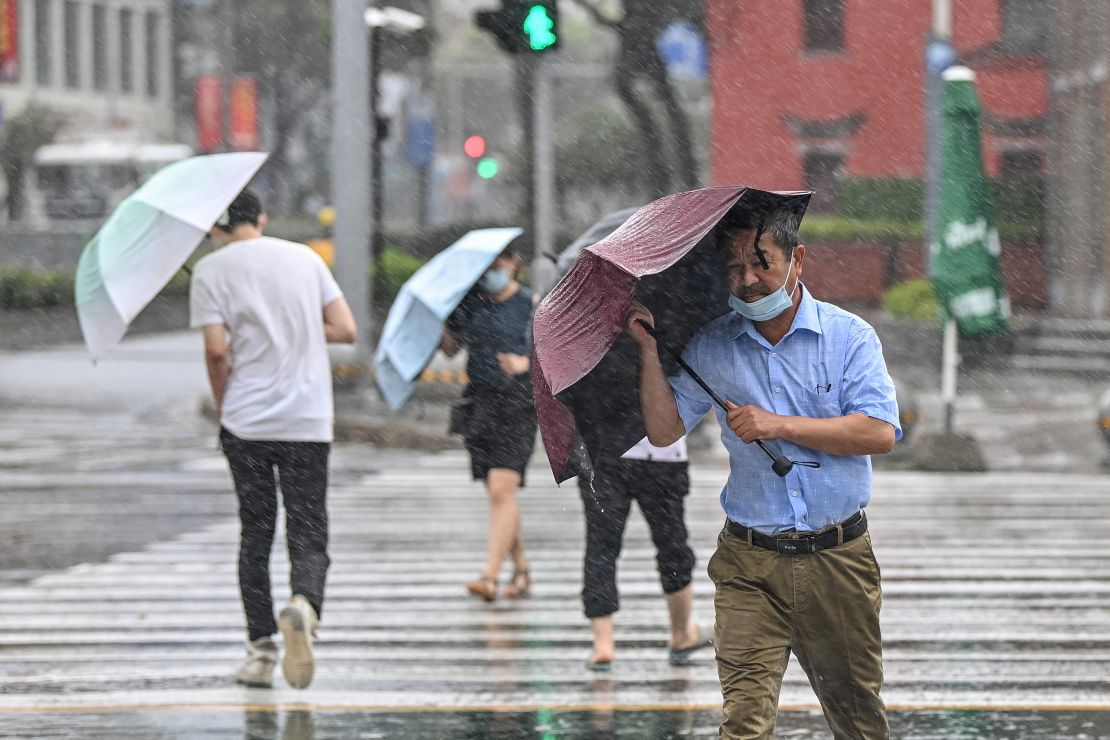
(87, 180)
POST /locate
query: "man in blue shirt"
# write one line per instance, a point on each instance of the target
(794, 569)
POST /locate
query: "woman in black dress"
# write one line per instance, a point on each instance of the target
(499, 424)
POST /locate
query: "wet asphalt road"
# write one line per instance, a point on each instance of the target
(120, 617)
(539, 725)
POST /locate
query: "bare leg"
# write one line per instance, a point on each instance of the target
(680, 606)
(605, 646)
(504, 519)
(516, 550)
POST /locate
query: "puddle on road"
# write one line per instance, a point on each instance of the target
(544, 724)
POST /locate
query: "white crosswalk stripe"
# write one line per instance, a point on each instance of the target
(996, 593)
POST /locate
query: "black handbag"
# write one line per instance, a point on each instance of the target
(459, 417)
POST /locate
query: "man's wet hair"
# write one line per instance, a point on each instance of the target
(781, 224)
(245, 209)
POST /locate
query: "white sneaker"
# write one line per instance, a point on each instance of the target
(258, 667)
(297, 623)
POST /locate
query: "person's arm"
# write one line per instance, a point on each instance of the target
(514, 364)
(449, 344)
(217, 358)
(657, 402)
(853, 434)
(339, 322)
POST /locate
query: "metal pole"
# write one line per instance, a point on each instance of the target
(350, 155)
(942, 19)
(950, 360)
(938, 45)
(525, 80)
(375, 161)
(543, 267)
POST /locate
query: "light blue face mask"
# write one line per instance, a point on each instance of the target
(769, 306)
(494, 280)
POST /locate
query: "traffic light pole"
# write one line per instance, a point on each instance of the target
(543, 266)
(376, 184)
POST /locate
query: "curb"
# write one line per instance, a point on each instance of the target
(391, 433)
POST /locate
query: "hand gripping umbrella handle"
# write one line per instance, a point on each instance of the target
(781, 464)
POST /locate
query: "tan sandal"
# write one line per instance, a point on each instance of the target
(514, 590)
(484, 588)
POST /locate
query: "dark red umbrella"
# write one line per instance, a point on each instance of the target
(664, 256)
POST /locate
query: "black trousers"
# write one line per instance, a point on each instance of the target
(301, 470)
(659, 488)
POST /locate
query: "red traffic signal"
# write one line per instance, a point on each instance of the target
(474, 146)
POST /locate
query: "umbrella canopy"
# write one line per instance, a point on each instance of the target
(600, 229)
(415, 322)
(967, 277)
(148, 238)
(665, 256)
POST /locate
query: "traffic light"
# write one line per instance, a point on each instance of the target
(486, 166)
(523, 26)
(474, 146)
(541, 24)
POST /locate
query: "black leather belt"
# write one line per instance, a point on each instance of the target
(803, 543)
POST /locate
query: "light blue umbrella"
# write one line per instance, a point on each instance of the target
(416, 318)
(148, 238)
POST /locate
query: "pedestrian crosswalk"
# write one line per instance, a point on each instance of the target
(996, 593)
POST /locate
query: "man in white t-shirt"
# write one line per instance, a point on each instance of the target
(268, 308)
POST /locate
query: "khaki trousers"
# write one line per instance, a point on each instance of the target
(824, 608)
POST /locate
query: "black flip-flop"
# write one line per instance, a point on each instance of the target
(599, 666)
(684, 656)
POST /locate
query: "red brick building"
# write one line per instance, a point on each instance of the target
(809, 91)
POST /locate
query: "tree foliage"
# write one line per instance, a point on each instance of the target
(20, 136)
(287, 47)
(666, 140)
(598, 148)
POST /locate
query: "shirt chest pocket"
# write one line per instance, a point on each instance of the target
(819, 396)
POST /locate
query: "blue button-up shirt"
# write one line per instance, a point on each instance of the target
(829, 364)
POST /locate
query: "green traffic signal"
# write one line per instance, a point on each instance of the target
(523, 26)
(540, 28)
(488, 168)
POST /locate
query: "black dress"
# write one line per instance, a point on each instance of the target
(499, 422)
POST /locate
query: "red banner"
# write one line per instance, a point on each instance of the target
(209, 112)
(244, 114)
(9, 40)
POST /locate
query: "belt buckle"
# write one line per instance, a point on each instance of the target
(795, 545)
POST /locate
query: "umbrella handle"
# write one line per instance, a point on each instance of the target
(781, 464)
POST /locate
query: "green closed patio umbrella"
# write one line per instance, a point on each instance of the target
(967, 277)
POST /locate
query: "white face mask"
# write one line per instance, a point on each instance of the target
(495, 280)
(769, 306)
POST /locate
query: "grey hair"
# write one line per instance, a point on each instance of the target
(781, 224)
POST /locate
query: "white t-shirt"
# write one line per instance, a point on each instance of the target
(644, 450)
(270, 294)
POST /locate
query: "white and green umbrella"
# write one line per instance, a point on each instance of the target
(149, 237)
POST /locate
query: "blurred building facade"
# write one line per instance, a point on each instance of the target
(1079, 203)
(818, 94)
(813, 91)
(105, 66)
(94, 79)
